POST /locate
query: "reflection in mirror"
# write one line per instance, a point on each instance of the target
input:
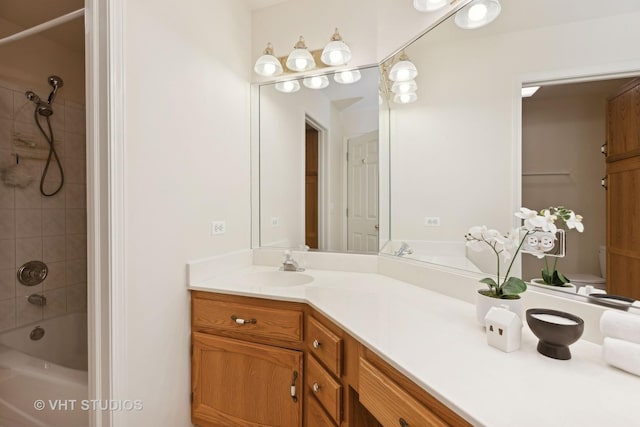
(320, 157)
(455, 152)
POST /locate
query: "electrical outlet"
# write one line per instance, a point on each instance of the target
(432, 221)
(551, 244)
(218, 227)
(275, 221)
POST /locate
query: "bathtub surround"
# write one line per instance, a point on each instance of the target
(34, 227)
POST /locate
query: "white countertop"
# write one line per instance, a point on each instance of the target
(435, 340)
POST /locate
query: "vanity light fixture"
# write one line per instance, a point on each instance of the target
(404, 87)
(477, 14)
(405, 98)
(316, 82)
(288, 86)
(429, 5)
(300, 59)
(347, 77)
(336, 52)
(403, 70)
(268, 65)
(529, 91)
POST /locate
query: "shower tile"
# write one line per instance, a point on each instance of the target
(7, 284)
(28, 137)
(74, 120)
(76, 221)
(72, 104)
(28, 250)
(28, 223)
(26, 312)
(56, 277)
(6, 196)
(7, 224)
(74, 170)
(7, 314)
(56, 303)
(77, 298)
(75, 145)
(57, 119)
(53, 249)
(76, 246)
(24, 291)
(7, 254)
(76, 272)
(28, 197)
(76, 196)
(22, 108)
(6, 131)
(53, 222)
(6, 103)
(56, 201)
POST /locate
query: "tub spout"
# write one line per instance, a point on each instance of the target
(37, 299)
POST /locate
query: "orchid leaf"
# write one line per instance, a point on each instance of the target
(489, 281)
(561, 277)
(514, 286)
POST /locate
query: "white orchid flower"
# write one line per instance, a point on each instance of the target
(477, 231)
(575, 221)
(510, 244)
(546, 221)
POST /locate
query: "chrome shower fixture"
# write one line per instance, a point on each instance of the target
(56, 83)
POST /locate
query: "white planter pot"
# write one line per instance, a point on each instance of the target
(568, 287)
(484, 304)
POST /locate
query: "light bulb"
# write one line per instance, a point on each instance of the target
(405, 98)
(335, 57)
(316, 82)
(301, 63)
(269, 69)
(288, 86)
(478, 12)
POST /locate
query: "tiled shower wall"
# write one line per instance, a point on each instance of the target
(35, 227)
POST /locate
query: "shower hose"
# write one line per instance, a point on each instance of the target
(52, 153)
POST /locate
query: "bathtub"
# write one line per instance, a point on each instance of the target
(52, 369)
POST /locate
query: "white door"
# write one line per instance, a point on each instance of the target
(362, 193)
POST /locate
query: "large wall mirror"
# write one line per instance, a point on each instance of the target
(320, 154)
(459, 153)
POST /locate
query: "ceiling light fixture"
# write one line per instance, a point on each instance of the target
(403, 70)
(477, 14)
(529, 91)
(300, 59)
(336, 52)
(268, 65)
(347, 77)
(316, 82)
(289, 86)
(429, 5)
(404, 87)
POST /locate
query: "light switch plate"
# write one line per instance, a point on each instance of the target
(551, 244)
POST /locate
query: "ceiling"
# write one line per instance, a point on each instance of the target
(600, 88)
(259, 4)
(29, 13)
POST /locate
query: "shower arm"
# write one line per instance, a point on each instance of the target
(42, 27)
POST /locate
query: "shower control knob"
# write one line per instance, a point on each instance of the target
(32, 273)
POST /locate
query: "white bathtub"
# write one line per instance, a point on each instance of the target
(52, 369)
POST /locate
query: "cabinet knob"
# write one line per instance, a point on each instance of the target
(603, 182)
(403, 423)
(240, 321)
(315, 387)
(316, 343)
(603, 148)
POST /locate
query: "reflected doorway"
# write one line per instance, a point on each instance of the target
(311, 185)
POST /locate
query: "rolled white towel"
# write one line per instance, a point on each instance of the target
(617, 324)
(622, 354)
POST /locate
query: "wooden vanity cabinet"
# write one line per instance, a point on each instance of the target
(248, 352)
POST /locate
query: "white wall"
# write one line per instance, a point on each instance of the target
(186, 163)
(453, 150)
(564, 135)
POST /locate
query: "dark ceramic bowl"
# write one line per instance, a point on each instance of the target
(555, 336)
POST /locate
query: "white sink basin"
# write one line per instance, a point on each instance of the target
(279, 279)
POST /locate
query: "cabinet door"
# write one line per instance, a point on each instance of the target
(623, 123)
(244, 384)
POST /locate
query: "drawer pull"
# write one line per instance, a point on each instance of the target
(240, 321)
(316, 343)
(316, 387)
(293, 386)
(403, 423)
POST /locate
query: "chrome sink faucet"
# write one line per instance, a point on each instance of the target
(290, 264)
(405, 249)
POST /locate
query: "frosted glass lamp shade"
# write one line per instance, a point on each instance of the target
(429, 5)
(288, 86)
(477, 14)
(300, 59)
(336, 52)
(347, 77)
(316, 82)
(268, 65)
(405, 98)
(404, 87)
(403, 71)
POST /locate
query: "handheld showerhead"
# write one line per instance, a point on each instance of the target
(56, 83)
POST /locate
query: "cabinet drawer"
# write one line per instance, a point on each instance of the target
(321, 384)
(325, 345)
(391, 405)
(259, 321)
(315, 415)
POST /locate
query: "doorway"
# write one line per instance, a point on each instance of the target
(311, 184)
